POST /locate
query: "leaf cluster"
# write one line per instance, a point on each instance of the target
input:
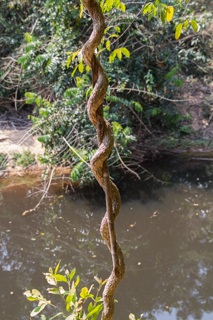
(74, 302)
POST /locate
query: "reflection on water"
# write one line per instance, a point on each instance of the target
(166, 233)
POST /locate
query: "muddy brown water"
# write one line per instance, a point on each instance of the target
(165, 231)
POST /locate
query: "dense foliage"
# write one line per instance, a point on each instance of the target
(41, 62)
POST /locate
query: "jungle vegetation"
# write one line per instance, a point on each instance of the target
(145, 59)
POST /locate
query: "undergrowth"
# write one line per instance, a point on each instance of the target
(24, 159)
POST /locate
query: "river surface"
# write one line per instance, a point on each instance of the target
(165, 231)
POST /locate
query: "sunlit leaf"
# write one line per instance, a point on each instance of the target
(119, 54)
(81, 67)
(77, 281)
(146, 8)
(194, 25)
(69, 61)
(56, 268)
(126, 52)
(39, 101)
(59, 277)
(121, 6)
(186, 23)
(169, 13)
(108, 45)
(178, 31)
(81, 10)
(72, 74)
(84, 293)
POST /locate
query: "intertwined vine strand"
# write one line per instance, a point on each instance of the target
(98, 162)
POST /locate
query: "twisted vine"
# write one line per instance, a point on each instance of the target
(98, 162)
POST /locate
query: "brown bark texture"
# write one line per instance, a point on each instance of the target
(98, 162)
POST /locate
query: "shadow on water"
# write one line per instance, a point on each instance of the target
(165, 230)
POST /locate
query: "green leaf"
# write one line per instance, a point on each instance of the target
(95, 315)
(81, 10)
(68, 301)
(69, 61)
(112, 56)
(30, 101)
(138, 106)
(146, 8)
(108, 45)
(170, 74)
(178, 31)
(43, 317)
(162, 16)
(114, 35)
(127, 131)
(84, 293)
(32, 299)
(177, 82)
(186, 23)
(71, 275)
(116, 127)
(90, 307)
(76, 171)
(56, 268)
(44, 138)
(21, 59)
(39, 101)
(126, 52)
(156, 111)
(122, 6)
(72, 74)
(77, 281)
(119, 54)
(70, 92)
(30, 95)
(29, 37)
(194, 25)
(96, 310)
(185, 129)
(48, 63)
(30, 47)
(81, 67)
(59, 277)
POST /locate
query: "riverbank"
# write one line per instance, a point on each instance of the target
(193, 138)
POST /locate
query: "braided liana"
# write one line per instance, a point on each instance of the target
(98, 162)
